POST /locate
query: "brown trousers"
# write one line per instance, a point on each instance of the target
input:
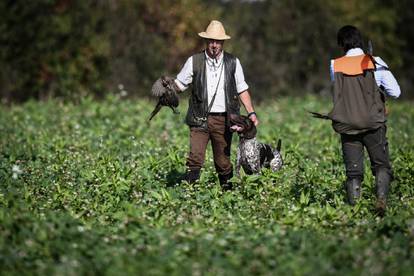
(220, 135)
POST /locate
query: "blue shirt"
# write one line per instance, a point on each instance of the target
(382, 75)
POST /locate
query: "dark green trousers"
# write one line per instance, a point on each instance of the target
(376, 144)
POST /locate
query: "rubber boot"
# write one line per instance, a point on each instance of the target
(353, 190)
(192, 175)
(225, 184)
(382, 183)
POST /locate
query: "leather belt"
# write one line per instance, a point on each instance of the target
(217, 114)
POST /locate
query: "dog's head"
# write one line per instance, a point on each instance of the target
(243, 126)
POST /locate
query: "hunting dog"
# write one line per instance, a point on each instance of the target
(251, 154)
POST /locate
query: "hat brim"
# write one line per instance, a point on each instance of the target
(222, 37)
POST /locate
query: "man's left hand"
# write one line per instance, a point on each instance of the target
(254, 119)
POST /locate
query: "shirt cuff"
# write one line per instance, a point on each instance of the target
(180, 85)
(241, 87)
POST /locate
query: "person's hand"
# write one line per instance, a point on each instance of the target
(254, 119)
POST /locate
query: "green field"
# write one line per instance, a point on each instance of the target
(92, 189)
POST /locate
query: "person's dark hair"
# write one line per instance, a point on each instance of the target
(349, 37)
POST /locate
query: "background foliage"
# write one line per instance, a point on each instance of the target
(94, 190)
(73, 48)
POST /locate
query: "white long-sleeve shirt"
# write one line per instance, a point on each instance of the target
(214, 80)
(383, 76)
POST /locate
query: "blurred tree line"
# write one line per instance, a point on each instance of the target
(73, 48)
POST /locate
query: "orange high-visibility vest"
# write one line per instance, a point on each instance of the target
(353, 65)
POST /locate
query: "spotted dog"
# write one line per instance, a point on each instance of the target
(251, 154)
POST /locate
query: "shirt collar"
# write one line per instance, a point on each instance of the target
(354, 52)
(219, 58)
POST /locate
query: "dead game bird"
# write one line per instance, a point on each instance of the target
(166, 90)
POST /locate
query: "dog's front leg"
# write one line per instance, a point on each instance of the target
(238, 162)
(256, 166)
(256, 162)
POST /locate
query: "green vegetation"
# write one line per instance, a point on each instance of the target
(92, 189)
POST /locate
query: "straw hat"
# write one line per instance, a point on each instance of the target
(215, 30)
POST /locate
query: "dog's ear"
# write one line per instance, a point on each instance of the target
(247, 121)
(250, 129)
(235, 119)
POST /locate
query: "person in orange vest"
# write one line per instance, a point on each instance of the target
(361, 84)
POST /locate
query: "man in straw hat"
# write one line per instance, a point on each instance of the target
(218, 84)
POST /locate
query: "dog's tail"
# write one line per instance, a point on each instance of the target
(279, 145)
